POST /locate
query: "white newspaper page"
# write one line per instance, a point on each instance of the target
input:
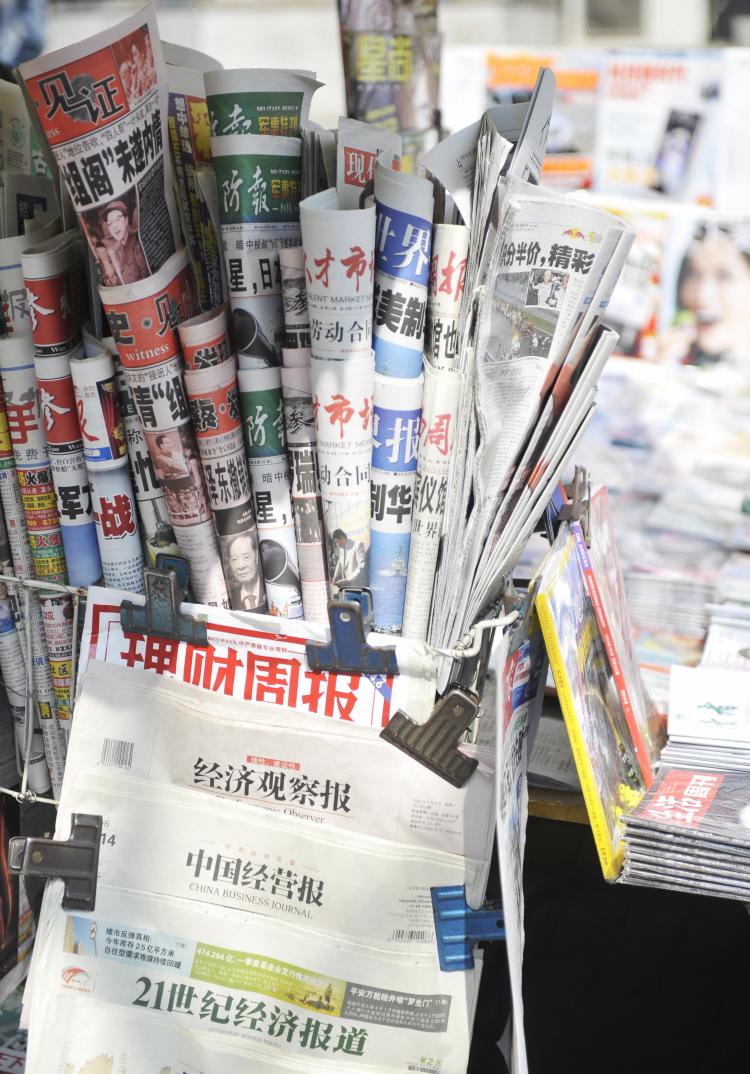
(261, 658)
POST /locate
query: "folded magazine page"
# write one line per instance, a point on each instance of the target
(253, 985)
(327, 772)
(262, 659)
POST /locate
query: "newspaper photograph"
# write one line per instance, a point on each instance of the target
(358, 148)
(53, 275)
(144, 319)
(324, 772)
(213, 398)
(442, 392)
(32, 462)
(342, 404)
(97, 403)
(450, 250)
(262, 407)
(296, 349)
(258, 180)
(340, 1001)
(307, 505)
(256, 659)
(102, 105)
(397, 409)
(185, 845)
(339, 254)
(403, 232)
(266, 101)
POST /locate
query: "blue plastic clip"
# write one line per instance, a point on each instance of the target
(161, 616)
(348, 651)
(458, 927)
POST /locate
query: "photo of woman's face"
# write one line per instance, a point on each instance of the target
(716, 288)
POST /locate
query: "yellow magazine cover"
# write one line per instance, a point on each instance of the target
(605, 758)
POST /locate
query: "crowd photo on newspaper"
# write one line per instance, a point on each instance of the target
(306, 367)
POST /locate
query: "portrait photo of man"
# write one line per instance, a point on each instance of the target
(113, 235)
(243, 572)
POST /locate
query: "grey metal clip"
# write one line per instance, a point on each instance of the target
(578, 509)
(161, 616)
(435, 742)
(74, 861)
(348, 650)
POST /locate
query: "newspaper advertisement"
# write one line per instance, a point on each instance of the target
(144, 320)
(403, 232)
(205, 339)
(32, 462)
(521, 674)
(255, 658)
(339, 257)
(55, 286)
(296, 349)
(291, 994)
(190, 147)
(258, 180)
(359, 146)
(102, 105)
(307, 504)
(15, 680)
(163, 841)
(156, 530)
(442, 391)
(450, 251)
(14, 309)
(213, 398)
(262, 408)
(326, 773)
(259, 101)
(342, 404)
(397, 408)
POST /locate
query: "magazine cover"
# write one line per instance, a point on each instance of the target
(710, 805)
(611, 778)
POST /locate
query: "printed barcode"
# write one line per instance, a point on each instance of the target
(116, 753)
(413, 935)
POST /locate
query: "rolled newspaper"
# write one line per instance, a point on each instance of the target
(404, 205)
(143, 318)
(450, 250)
(397, 407)
(205, 339)
(213, 396)
(265, 101)
(262, 409)
(296, 350)
(13, 670)
(442, 390)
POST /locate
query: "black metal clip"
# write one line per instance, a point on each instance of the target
(348, 650)
(166, 585)
(434, 743)
(75, 860)
(578, 507)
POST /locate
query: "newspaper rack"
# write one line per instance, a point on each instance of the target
(75, 861)
(458, 927)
